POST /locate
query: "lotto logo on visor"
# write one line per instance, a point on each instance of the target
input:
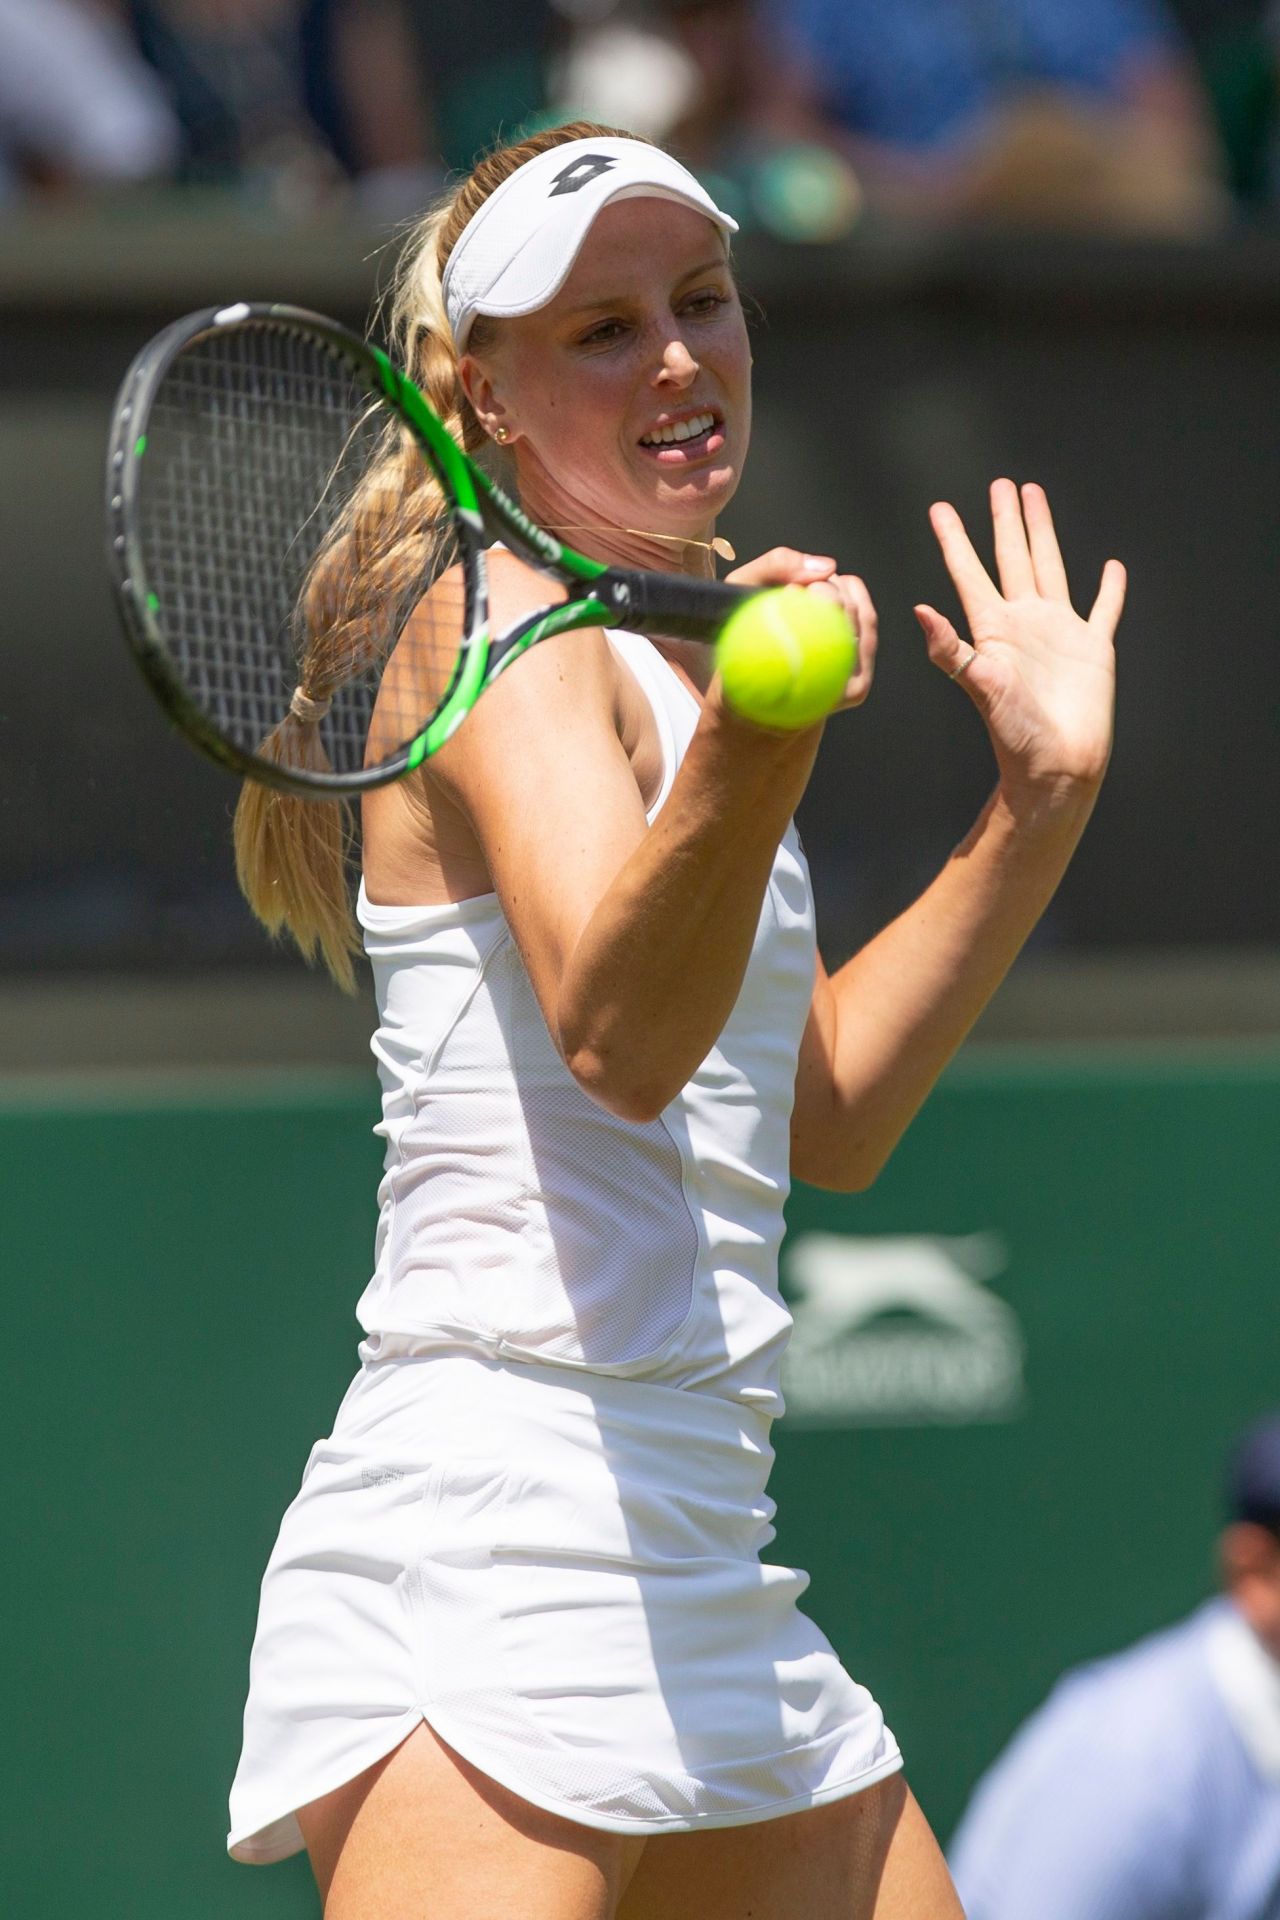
(516, 253)
(579, 172)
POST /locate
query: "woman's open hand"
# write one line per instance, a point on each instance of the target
(1042, 677)
(784, 567)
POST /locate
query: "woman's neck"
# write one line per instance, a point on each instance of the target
(592, 532)
(561, 512)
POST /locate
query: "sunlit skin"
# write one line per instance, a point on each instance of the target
(646, 331)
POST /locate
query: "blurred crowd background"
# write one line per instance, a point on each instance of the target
(1157, 115)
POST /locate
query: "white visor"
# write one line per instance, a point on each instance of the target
(516, 253)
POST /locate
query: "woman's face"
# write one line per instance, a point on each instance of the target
(645, 338)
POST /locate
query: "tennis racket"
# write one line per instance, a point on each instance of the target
(296, 541)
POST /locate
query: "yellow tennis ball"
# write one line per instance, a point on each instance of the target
(784, 657)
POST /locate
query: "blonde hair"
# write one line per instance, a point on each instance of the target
(294, 855)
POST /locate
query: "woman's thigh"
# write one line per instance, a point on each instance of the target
(869, 1856)
(424, 1832)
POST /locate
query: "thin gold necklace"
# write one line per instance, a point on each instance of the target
(718, 546)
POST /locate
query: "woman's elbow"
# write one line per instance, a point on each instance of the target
(618, 1086)
(843, 1179)
(848, 1170)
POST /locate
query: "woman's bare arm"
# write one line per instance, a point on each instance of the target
(882, 1029)
(636, 939)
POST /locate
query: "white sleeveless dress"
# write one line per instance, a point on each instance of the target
(538, 1521)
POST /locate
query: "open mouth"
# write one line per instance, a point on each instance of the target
(686, 437)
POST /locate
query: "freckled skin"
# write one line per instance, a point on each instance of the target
(648, 324)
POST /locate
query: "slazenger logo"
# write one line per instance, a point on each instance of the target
(579, 173)
(899, 1331)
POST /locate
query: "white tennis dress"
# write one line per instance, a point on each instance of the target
(538, 1520)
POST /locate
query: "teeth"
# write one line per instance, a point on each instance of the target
(684, 430)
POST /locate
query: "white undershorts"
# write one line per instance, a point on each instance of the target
(561, 1572)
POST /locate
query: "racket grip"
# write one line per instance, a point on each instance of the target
(668, 603)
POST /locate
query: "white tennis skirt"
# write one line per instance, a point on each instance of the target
(561, 1573)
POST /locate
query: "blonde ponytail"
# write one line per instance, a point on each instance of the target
(294, 856)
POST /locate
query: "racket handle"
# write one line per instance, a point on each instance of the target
(668, 603)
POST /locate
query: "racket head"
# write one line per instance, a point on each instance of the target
(256, 547)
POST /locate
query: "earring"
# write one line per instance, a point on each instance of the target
(502, 435)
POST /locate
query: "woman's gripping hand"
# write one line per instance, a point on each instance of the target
(785, 567)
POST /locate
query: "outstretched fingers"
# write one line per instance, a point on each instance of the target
(1109, 604)
(947, 651)
(1046, 554)
(1013, 555)
(976, 588)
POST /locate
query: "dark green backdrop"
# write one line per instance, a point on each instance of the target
(181, 1269)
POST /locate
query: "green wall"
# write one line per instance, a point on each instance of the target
(181, 1269)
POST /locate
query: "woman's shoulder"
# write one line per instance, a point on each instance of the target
(518, 581)
(518, 589)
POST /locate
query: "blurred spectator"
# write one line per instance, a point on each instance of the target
(1081, 112)
(1148, 1785)
(1237, 45)
(289, 100)
(698, 75)
(77, 105)
(727, 49)
(369, 89)
(484, 66)
(623, 67)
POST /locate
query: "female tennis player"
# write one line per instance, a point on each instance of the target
(519, 1652)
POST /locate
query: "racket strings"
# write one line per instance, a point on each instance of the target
(379, 557)
(291, 529)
